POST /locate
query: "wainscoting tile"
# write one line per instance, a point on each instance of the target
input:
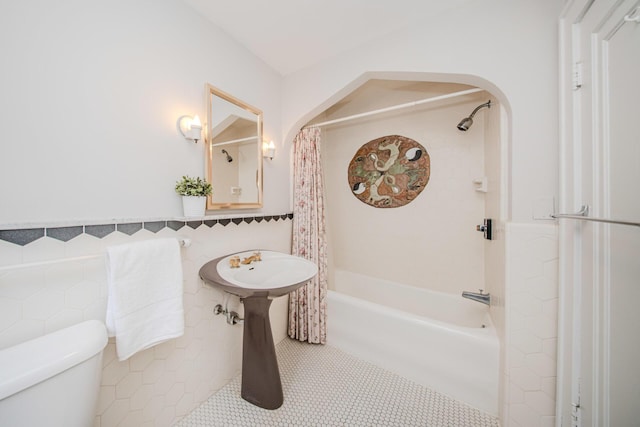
(37, 299)
(531, 324)
(194, 224)
(130, 228)
(100, 231)
(155, 226)
(23, 236)
(175, 225)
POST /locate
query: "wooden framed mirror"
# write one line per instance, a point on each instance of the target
(233, 158)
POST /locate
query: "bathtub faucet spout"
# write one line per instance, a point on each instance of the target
(480, 297)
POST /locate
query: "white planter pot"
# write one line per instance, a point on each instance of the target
(194, 205)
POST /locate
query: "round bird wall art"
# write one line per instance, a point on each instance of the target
(389, 171)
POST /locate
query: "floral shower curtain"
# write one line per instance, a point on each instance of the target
(307, 305)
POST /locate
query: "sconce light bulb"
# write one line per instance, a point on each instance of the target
(190, 128)
(268, 149)
(196, 129)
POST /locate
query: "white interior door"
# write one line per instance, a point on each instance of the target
(622, 59)
(599, 348)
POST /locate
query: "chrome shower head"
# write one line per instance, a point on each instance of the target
(466, 123)
(229, 158)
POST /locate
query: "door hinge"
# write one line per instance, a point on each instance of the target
(577, 75)
(576, 421)
(575, 414)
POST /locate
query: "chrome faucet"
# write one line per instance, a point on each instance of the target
(480, 297)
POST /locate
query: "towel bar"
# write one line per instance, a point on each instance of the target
(184, 242)
(583, 213)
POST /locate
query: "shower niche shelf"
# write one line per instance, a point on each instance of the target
(481, 184)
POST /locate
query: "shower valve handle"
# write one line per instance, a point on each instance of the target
(486, 228)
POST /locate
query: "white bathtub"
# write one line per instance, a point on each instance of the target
(438, 340)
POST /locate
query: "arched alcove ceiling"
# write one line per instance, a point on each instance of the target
(407, 81)
(397, 88)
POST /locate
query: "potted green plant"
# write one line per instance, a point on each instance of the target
(194, 192)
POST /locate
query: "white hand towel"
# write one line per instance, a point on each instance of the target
(144, 305)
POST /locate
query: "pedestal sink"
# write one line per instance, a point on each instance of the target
(256, 283)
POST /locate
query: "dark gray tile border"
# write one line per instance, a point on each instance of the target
(155, 226)
(22, 236)
(175, 225)
(130, 228)
(65, 233)
(194, 224)
(99, 231)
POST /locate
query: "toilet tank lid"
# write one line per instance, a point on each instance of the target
(31, 362)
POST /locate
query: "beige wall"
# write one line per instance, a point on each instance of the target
(507, 48)
(431, 242)
(104, 83)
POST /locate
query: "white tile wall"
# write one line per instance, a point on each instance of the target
(432, 237)
(158, 386)
(531, 317)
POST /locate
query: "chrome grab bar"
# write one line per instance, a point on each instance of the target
(583, 213)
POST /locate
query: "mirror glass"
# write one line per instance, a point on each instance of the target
(234, 152)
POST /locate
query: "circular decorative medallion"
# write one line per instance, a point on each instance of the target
(389, 172)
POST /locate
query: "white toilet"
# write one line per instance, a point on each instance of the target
(53, 380)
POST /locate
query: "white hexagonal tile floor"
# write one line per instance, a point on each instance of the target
(324, 386)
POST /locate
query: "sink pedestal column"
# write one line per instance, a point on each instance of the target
(261, 383)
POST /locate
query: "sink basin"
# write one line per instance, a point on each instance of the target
(275, 275)
(257, 283)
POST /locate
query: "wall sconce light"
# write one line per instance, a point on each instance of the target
(268, 150)
(190, 127)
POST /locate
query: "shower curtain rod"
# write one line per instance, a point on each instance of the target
(234, 141)
(396, 107)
